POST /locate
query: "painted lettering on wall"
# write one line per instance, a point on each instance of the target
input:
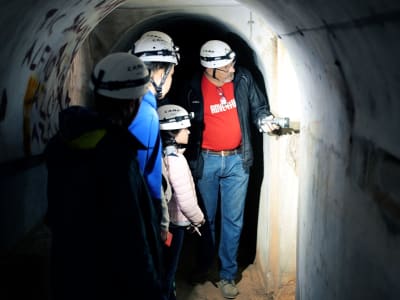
(50, 21)
(105, 7)
(38, 116)
(44, 96)
(48, 62)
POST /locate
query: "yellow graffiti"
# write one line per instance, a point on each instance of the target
(29, 99)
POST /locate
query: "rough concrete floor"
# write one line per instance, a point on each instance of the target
(249, 282)
(24, 275)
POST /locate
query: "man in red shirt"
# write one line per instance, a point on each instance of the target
(225, 101)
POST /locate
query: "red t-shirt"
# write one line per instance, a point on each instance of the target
(222, 127)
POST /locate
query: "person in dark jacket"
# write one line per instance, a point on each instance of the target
(105, 238)
(225, 101)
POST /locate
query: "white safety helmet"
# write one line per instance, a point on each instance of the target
(120, 76)
(157, 34)
(216, 54)
(173, 117)
(156, 46)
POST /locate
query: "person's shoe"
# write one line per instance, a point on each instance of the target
(228, 289)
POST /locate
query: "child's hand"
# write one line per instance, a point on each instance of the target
(164, 234)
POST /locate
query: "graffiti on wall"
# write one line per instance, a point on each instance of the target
(44, 127)
(48, 63)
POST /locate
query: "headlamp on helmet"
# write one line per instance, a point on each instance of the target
(173, 117)
(156, 46)
(216, 54)
(120, 76)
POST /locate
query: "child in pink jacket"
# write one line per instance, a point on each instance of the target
(184, 211)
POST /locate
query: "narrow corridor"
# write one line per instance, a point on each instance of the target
(328, 211)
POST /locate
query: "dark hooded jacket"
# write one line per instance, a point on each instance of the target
(252, 105)
(105, 233)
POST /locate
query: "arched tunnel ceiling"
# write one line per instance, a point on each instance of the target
(291, 16)
(189, 32)
(176, 3)
(316, 33)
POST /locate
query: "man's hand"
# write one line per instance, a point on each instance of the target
(265, 124)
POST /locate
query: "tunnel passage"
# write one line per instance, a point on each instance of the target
(341, 48)
(189, 32)
(60, 52)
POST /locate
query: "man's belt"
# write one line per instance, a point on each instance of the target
(223, 152)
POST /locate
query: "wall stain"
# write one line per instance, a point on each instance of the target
(389, 208)
(3, 105)
(374, 19)
(376, 172)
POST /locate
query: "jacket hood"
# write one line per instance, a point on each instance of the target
(81, 128)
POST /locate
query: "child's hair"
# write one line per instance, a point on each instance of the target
(168, 137)
(118, 110)
(154, 66)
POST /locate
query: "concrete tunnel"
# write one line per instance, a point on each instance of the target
(323, 210)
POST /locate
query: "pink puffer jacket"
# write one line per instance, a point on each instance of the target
(183, 207)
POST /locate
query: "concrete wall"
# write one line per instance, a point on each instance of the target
(344, 55)
(277, 226)
(345, 58)
(39, 44)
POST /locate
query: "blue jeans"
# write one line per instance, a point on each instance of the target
(225, 175)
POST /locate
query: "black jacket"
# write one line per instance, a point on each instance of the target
(105, 234)
(252, 105)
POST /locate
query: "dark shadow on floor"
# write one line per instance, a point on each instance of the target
(24, 270)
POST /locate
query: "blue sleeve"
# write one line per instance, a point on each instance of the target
(150, 159)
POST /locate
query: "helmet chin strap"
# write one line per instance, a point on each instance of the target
(213, 75)
(173, 142)
(214, 72)
(158, 88)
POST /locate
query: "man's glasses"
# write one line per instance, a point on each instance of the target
(227, 68)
